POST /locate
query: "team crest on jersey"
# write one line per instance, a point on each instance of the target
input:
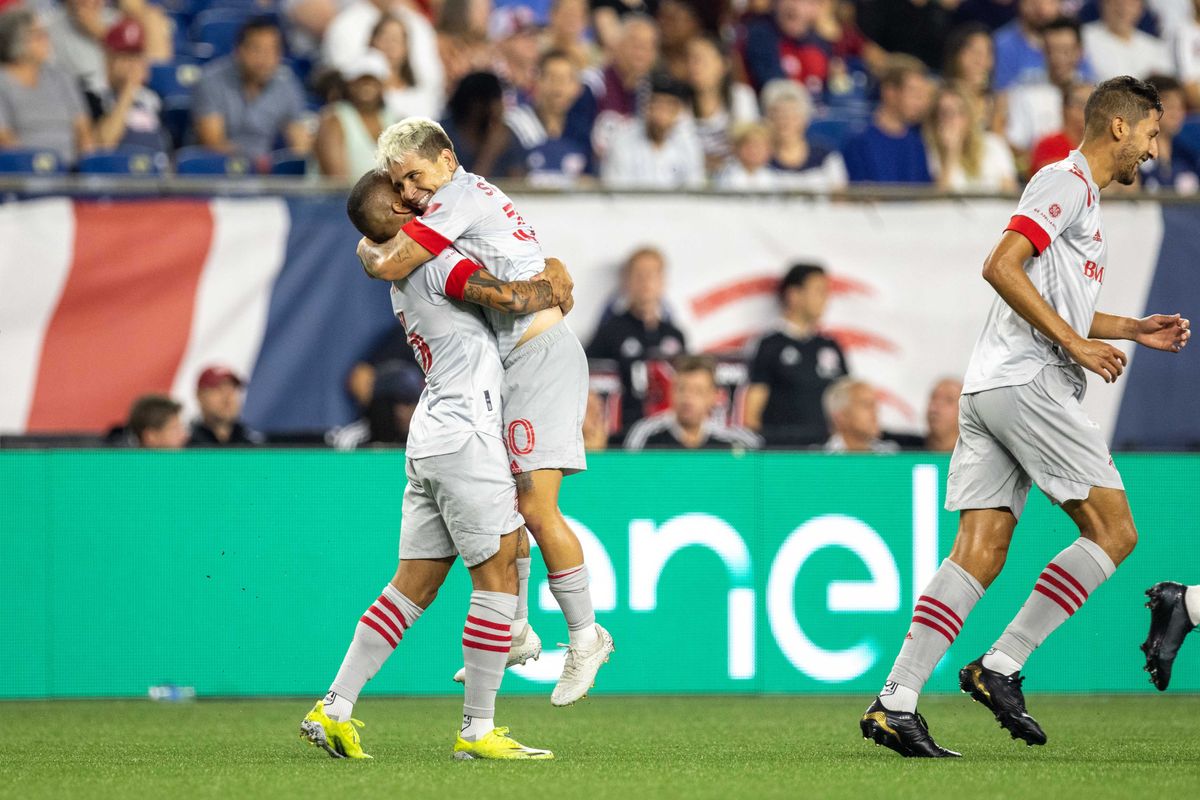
(1055, 210)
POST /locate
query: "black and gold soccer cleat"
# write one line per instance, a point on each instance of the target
(906, 733)
(1169, 624)
(1002, 695)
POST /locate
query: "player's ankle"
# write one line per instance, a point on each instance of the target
(583, 638)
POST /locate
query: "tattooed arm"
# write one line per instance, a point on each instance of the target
(548, 289)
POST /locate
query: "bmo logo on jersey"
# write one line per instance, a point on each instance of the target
(1093, 271)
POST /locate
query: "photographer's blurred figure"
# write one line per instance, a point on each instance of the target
(852, 408)
(689, 423)
(156, 423)
(219, 392)
(942, 415)
(385, 421)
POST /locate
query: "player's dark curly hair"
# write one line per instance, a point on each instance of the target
(368, 203)
(1125, 97)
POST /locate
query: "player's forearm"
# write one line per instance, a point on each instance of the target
(1014, 287)
(1111, 326)
(392, 260)
(511, 297)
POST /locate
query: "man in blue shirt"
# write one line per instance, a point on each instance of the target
(552, 155)
(891, 149)
(1019, 54)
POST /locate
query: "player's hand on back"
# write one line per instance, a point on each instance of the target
(1100, 357)
(1168, 332)
(560, 282)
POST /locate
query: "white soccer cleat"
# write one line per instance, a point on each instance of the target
(524, 647)
(579, 673)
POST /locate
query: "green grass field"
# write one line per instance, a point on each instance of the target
(607, 747)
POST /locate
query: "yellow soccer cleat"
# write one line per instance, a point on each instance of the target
(497, 745)
(339, 739)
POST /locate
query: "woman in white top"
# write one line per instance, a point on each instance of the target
(718, 102)
(402, 93)
(963, 157)
(802, 164)
(349, 128)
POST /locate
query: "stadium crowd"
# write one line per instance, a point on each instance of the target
(964, 95)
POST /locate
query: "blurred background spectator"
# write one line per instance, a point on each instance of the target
(891, 149)
(1184, 38)
(1056, 146)
(969, 65)
(638, 331)
(475, 124)
(614, 94)
(852, 409)
(552, 156)
(678, 25)
(749, 170)
(569, 31)
(126, 112)
(689, 424)
(516, 35)
(349, 128)
(660, 149)
(793, 365)
(609, 17)
(801, 164)
(1115, 46)
(1019, 54)
(40, 105)
(595, 424)
(941, 416)
(1034, 108)
(357, 27)
(219, 393)
(404, 93)
(785, 44)
(1176, 168)
(395, 391)
(462, 38)
(963, 156)
(718, 101)
(78, 29)
(156, 423)
(914, 27)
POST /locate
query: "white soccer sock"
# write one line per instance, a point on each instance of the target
(570, 589)
(378, 632)
(1191, 599)
(1000, 662)
(898, 698)
(521, 620)
(475, 728)
(487, 637)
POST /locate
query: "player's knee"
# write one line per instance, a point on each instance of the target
(1118, 539)
(540, 513)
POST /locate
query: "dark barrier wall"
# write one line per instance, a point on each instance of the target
(245, 573)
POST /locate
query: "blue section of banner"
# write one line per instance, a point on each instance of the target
(1158, 410)
(325, 314)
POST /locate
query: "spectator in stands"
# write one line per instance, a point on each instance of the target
(1115, 46)
(718, 101)
(750, 168)
(639, 331)
(689, 424)
(350, 33)
(941, 416)
(962, 155)
(219, 393)
(126, 111)
(612, 95)
(1058, 145)
(1019, 55)
(40, 106)
(660, 150)
(678, 25)
(913, 27)
(155, 423)
(801, 164)
(969, 65)
(595, 424)
(349, 128)
(852, 409)
(388, 414)
(1185, 49)
(891, 149)
(569, 31)
(78, 31)
(403, 94)
(1034, 108)
(475, 123)
(787, 45)
(244, 102)
(516, 34)
(610, 16)
(389, 352)
(552, 157)
(1175, 169)
(462, 39)
(792, 366)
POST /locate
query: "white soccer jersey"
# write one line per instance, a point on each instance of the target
(1059, 213)
(457, 351)
(480, 221)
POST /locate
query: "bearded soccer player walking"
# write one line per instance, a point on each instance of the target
(1021, 423)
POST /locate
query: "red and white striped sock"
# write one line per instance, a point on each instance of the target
(378, 632)
(937, 620)
(1059, 592)
(487, 637)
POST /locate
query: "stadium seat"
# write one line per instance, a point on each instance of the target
(175, 78)
(286, 162)
(30, 162)
(177, 118)
(199, 161)
(123, 161)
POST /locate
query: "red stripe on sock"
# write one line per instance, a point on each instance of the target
(480, 646)
(930, 611)
(554, 576)
(943, 607)
(1070, 578)
(931, 624)
(1037, 587)
(392, 608)
(496, 626)
(1062, 587)
(370, 623)
(495, 637)
(386, 620)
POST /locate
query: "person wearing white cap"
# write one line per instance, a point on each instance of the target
(349, 128)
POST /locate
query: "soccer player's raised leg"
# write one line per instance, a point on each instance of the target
(1174, 613)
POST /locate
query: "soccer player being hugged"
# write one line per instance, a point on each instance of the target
(545, 369)
(1021, 423)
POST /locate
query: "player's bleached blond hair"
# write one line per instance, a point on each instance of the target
(837, 396)
(419, 135)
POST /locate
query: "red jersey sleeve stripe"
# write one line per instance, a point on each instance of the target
(1026, 227)
(425, 236)
(456, 281)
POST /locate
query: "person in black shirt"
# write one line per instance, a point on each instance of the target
(793, 366)
(638, 333)
(219, 393)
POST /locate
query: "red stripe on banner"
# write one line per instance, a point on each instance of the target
(1070, 578)
(931, 624)
(1062, 587)
(939, 604)
(496, 626)
(709, 302)
(425, 236)
(942, 618)
(493, 637)
(392, 608)
(554, 576)
(386, 620)
(370, 623)
(122, 324)
(1037, 587)
(478, 646)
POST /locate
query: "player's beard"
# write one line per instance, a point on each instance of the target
(1128, 159)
